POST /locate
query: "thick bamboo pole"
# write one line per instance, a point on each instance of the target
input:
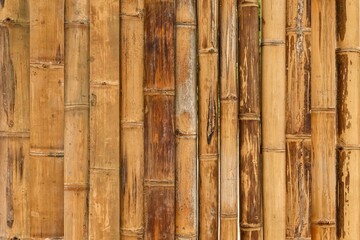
(46, 195)
(323, 131)
(298, 131)
(348, 120)
(132, 119)
(159, 91)
(14, 120)
(207, 11)
(250, 172)
(228, 120)
(186, 121)
(273, 117)
(104, 203)
(76, 133)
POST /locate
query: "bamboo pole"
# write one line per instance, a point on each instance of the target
(186, 121)
(104, 203)
(132, 119)
(76, 129)
(298, 129)
(323, 120)
(207, 11)
(348, 125)
(273, 117)
(14, 120)
(250, 172)
(228, 120)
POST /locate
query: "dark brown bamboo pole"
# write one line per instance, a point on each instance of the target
(14, 119)
(104, 196)
(159, 91)
(273, 117)
(250, 172)
(132, 119)
(76, 129)
(298, 130)
(348, 119)
(186, 121)
(207, 11)
(323, 124)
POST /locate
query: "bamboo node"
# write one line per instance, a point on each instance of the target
(76, 186)
(208, 157)
(272, 43)
(159, 183)
(14, 134)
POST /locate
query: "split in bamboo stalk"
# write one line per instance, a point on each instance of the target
(250, 172)
(186, 121)
(273, 117)
(298, 132)
(348, 119)
(104, 210)
(132, 119)
(14, 120)
(76, 132)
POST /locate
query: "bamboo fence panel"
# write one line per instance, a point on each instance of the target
(104, 203)
(14, 120)
(348, 117)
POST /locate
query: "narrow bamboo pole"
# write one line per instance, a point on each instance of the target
(298, 131)
(348, 120)
(14, 120)
(323, 124)
(104, 203)
(250, 172)
(228, 120)
(159, 91)
(132, 119)
(207, 11)
(76, 141)
(186, 121)
(273, 117)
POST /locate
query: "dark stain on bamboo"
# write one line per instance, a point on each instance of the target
(9, 196)
(341, 17)
(343, 111)
(20, 161)
(211, 118)
(2, 3)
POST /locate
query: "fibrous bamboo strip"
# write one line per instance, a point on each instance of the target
(273, 117)
(348, 119)
(76, 132)
(298, 138)
(14, 120)
(159, 91)
(132, 119)
(208, 118)
(104, 196)
(186, 121)
(250, 172)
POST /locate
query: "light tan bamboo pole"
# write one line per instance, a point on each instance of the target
(159, 91)
(323, 124)
(207, 12)
(104, 196)
(250, 172)
(14, 119)
(186, 121)
(298, 131)
(228, 120)
(132, 119)
(76, 129)
(273, 117)
(348, 119)
(46, 191)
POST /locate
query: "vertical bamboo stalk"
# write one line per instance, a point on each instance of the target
(323, 124)
(76, 149)
(250, 173)
(132, 119)
(228, 120)
(104, 203)
(273, 117)
(348, 138)
(298, 131)
(186, 121)
(208, 118)
(14, 119)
